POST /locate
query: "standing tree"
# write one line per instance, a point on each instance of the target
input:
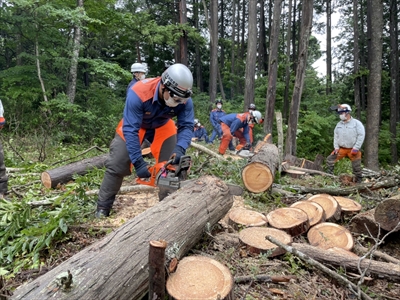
(328, 47)
(357, 82)
(272, 68)
(394, 76)
(374, 85)
(71, 88)
(305, 32)
(287, 64)
(183, 39)
(251, 55)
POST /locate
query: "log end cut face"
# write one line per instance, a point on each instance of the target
(329, 204)
(246, 217)
(328, 235)
(46, 180)
(254, 239)
(347, 205)
(314, 211)
(199, 277)
(290, 219)
(257, 177)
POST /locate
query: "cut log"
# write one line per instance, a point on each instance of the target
(314, 211)
(294, 173)
(376, 269)
(364, 223)
(258, 175)
(302, 162)
(348, 206)
(254, 239)
(63, 174)
(200, 277)
(328, 235)
(240, 217)
(260, 144)
(329, 204)
(387, 214)
(292, 220)
(117, 266)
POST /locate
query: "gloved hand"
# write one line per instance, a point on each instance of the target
(335, 151)
(354, 151)
(247, 147)
(141, 168)
(176, 154)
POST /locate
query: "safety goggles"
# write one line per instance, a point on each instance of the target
(176, 97)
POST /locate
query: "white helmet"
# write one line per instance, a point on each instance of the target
(256, 116)
(252, 106)
(344, 108)
(196, 121)
(179, 80)
(138, 67)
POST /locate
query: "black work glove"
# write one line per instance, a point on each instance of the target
(177, 154)
(247, 147)
(141, 168)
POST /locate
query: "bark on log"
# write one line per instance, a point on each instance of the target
(365, 223)
(157, 269)
(200, 277)
(382, 270)
(117, 266)
(63, 174)
(387, 214)
(258, 175)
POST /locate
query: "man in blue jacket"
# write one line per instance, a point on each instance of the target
(215, 115)
(237, 125)
(200, 133)
(139, 72)
(150, 106)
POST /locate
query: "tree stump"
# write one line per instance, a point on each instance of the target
(314, 211)
(292, 220)
(387, 214)
(328, 235)
(117, 266)
(258, 175)
(348, 206)
(364, 223)
(200, 277)
(254, 239)
(329, 204)
(63, 174)
(241, 217)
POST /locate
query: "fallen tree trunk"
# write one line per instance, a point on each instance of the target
(63, 174)
(258, 175)
(377, 269)
(117, 266)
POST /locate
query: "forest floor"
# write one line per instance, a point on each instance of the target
(307, 283)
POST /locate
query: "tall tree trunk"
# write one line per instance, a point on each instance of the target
(183, 39)
(306, 24)
(73, 71)
(328, 47)
(394, 79)
(199, 75)
(287, 64)
(272, 68)
(356, 60)
(243, 25)
(374, 86)
(294, 37)
(233, 47)
(213, 28)
(363, 58)
(251, 55)
(39, 73)
(262, 44)
(222, 36)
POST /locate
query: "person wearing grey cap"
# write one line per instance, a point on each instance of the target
(349, 135)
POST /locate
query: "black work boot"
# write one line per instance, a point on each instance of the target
(357, 170)
(330, 163)
(102, 213)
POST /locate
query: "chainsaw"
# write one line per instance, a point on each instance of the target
(167, 176)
